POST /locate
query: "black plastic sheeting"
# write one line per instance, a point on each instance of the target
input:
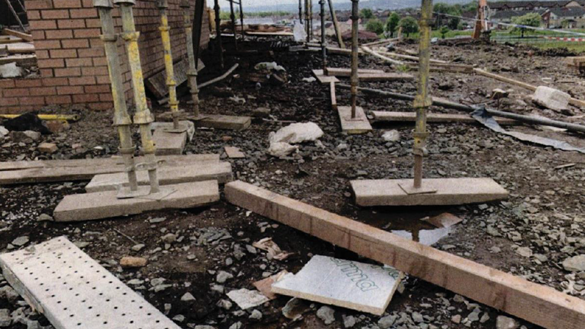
(483, 117)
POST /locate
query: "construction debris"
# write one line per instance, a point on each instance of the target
(551, 98)
(246, 299)
(332, 281)
(296, 133)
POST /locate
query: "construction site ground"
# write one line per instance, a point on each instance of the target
(529, 235)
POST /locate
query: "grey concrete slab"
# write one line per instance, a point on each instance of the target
(220, 171)
(358, 286)
(358, 125)
(169, 143)
(450, 191)
(99, 205)
(74, 291)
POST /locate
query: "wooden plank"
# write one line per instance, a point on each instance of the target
(170, 160)
(9, 39)
(386, 76)
(324, 79)
(157, 84)
(342, 51)
(383, 116)
(22, 60)
(541, 305)
(344, 72)
(333, 95)
(22, 35)
(169, 143)
(353, 126)
(227, 122)
(447, 191)
(20, 48)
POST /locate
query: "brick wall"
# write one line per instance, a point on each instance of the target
(71, 57)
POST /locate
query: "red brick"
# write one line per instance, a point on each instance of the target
(102, 70)
(67, 3)
(93, 22)
(96, 43)
(56, 82)
(42, 54)
(33, 14)
(75, 43)
(42, 91)
(106, 97)
(78, 62)
(16, 92)
(43, 25)
(38, 4)
(7, 83)
(97, 89)
(37, 100)
(83, 13)
(50, 63)
(38, 35)
(63, 99)
(63, 53)
(59, 34)
(71, 23)
(86, 98)
(100, 106)
(27, 83)
(8, 101)
(70, 90)
(100, 61)
(82, 81)
(91, 52)
(102, 79)
(87, 3)
(46, 73)
(87, 33)
(68, 72)
(48, 44)
(55, 14)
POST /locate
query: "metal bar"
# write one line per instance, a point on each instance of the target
(197, 24)
(142, 117)
(301, 11)
(323, 40)
(122, 120)
(192, 74)
(423, 98)
(164, 28)
(335, 24)
(218, 32)
(233, 19)
(354, 54)
(307, 27)
(242, 20)
(15, 14)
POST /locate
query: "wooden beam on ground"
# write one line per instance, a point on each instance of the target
(324, 79)
(342, 51)
(343, 72)
(332, 95)
(572, 101)
(22, 35)
(412, 58)
(541, 305)
(384, 58)
(384, 116)
(22, 60)
(370, 75)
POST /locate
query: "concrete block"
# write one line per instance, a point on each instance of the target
(99, 205)
(358, 286)
(74, 291)
(358, 125)
(551, 98)
(221, 171)
(449, 191)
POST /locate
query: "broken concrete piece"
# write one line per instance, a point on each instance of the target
(72, 295)
(280, 150)
(551, 98)
(297, 133)
(575, 264)
(130, 261)
(327, 280)
(48, 148)
(234, 152)
(247, 298)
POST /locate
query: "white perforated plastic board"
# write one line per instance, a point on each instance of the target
(73, 291)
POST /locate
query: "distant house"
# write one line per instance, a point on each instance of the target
(569, 18)
(506, 16)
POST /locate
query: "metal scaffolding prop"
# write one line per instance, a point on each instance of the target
(354, 54)
(164, 28)
(323, 39)
(192, 74)
(143, 118)
(216, 8)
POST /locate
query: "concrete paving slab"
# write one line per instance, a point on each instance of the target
(169, 125)
(84, 170)
(450, 191)
(99, 205)
(227, 122)
(383, 116)
(73, 290)
(234, 152)
(358, 286)
(359, 125)
(221, 171)
(168, 143)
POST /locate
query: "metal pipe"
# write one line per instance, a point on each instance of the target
(307, 27)
(233, 19)
(354, 54)
(142, 117)
(164, 28)
(335, 24)
(423, 98)
(323, 40)
(122, 120)
(192, 73)
(218, 32)
(242, 20)
(301, 11)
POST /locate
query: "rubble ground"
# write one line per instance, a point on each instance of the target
(530, 235)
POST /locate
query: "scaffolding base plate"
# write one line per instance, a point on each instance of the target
(353, 126)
